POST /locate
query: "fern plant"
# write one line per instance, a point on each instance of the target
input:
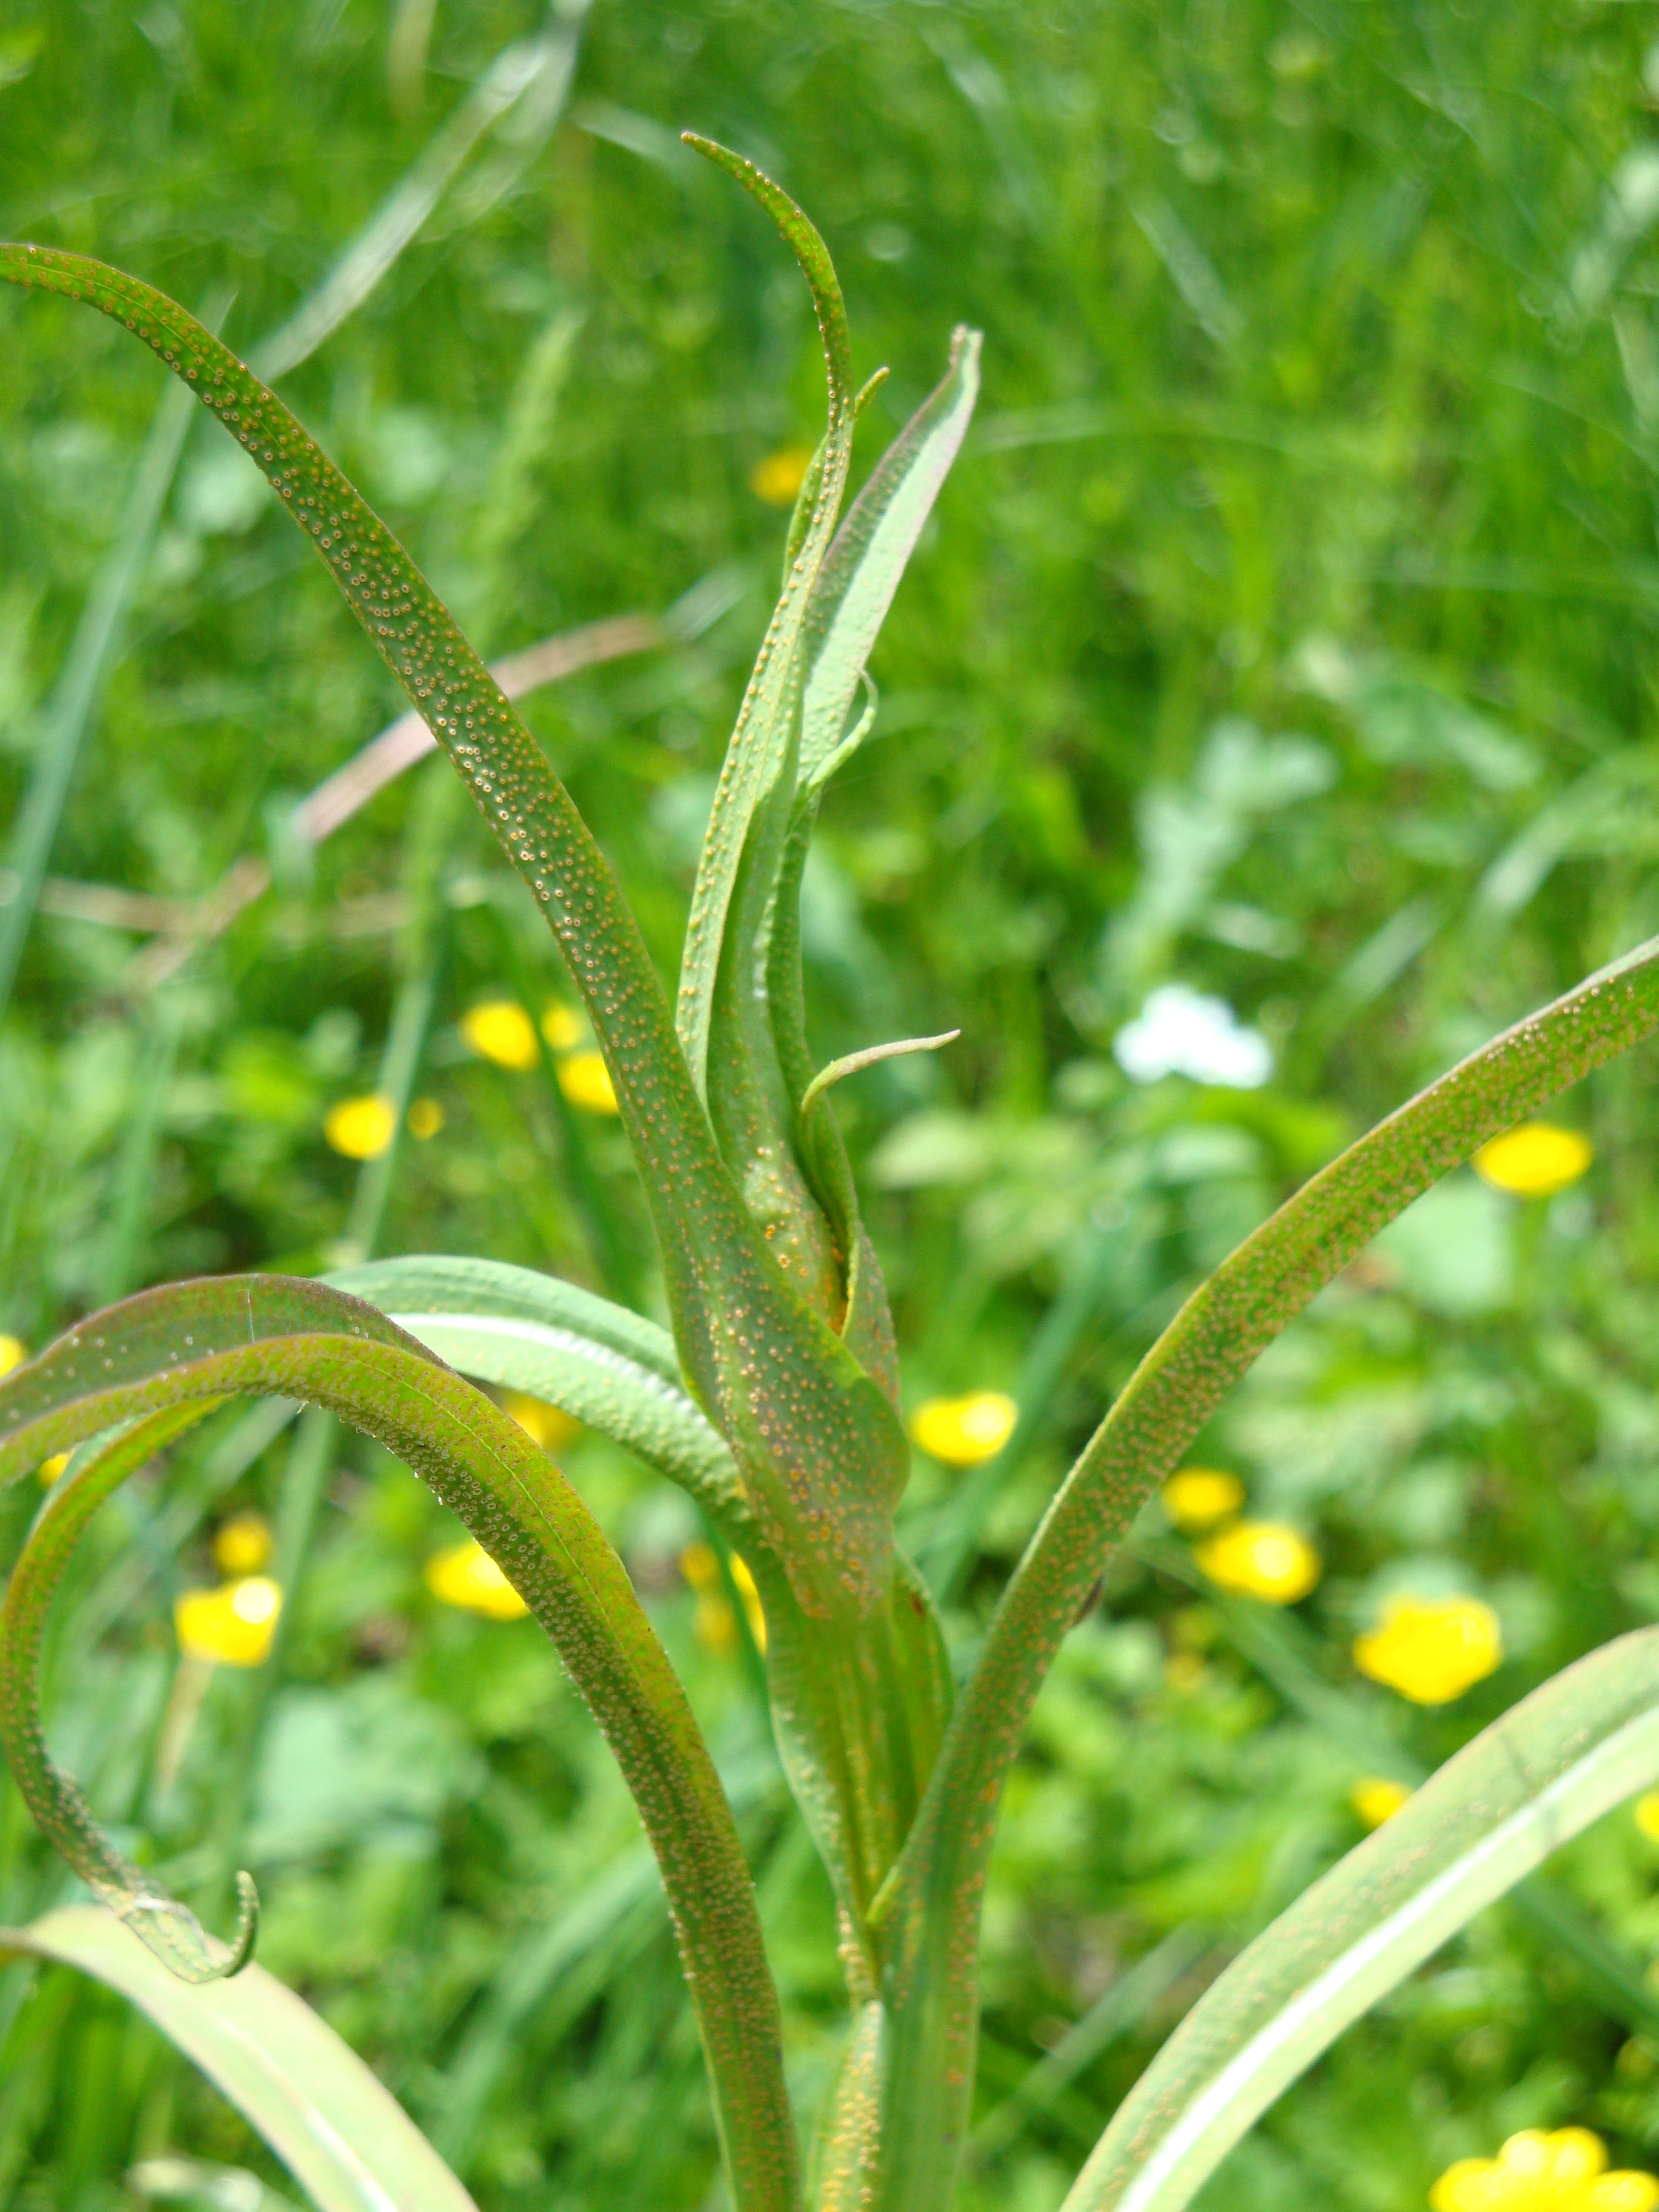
(773, 1402)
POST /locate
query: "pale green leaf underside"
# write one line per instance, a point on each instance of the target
(343, 2137)
(1582, 1744)
(862, 569)
(603, 1366)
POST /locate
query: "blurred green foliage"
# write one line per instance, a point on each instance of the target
(1287, 631)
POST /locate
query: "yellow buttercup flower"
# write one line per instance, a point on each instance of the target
(1376, 1799)
(232, 1625)
(713, 1622)
(778, 477)
(465, 1575)
(1534, 1159)
(1563, 2170)
(242, 1544)
(12, 1353)
(426, 1118)
(501, 1031)
(1431, 1650)
(1645, 1813)
(549, 1427)
(1261, 1558)
(560, 1025)
(49, 1469)
(585, 1082)
(963, 1431)
(1199, 1497)
(360, 1129)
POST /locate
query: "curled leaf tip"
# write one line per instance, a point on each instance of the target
(177, 1938)
(868, 390)
(801, 235)
(853, 1061)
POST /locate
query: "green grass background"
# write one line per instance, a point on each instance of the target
(1287, 630)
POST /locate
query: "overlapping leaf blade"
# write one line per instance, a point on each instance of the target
(600, 1364)
(787, 1396)
(1568, 1754)
(854, 588)
(270, 1334)
(339, 2131)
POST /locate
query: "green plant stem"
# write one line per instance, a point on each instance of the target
(928, 1916)
(135, 1174)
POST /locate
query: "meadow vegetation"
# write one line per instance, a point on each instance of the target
(1267, 719)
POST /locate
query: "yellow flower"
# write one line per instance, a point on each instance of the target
(548, 1426)
(426, 1118)
(1534, 1159)
(360, 1129)
(713, 1622)
(963, 1431)
(560, 1025)
(1645, 1812)
(242, 1544)
(501, 1031)
(12, 1353)
(1563, 2171)
(1261, 1558)
(1431, 1650)
(49, 1469)
(778, 477)
(232, 1625)
(465, 1575)
(1199, 1497)
(1375, 1798)
(585, 1082)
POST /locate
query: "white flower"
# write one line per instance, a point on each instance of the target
(1181, 1031)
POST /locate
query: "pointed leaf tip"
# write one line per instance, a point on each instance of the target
(802, 236)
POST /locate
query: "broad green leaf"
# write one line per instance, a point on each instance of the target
(1559, 1760)
(927, 1917)
(861, 571)
(597, 1362)
(339, 2131)
(270, 1334)
(819, 1445)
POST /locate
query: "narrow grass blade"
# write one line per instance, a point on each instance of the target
(602, 1364)
(96, 642)
(516, 75)
(929, 1913)
(343, 2136)
(207, 2187)
(788, 1395)
(260, 1335)
(1575, 1748)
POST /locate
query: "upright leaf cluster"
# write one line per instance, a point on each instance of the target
(773, 1402)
